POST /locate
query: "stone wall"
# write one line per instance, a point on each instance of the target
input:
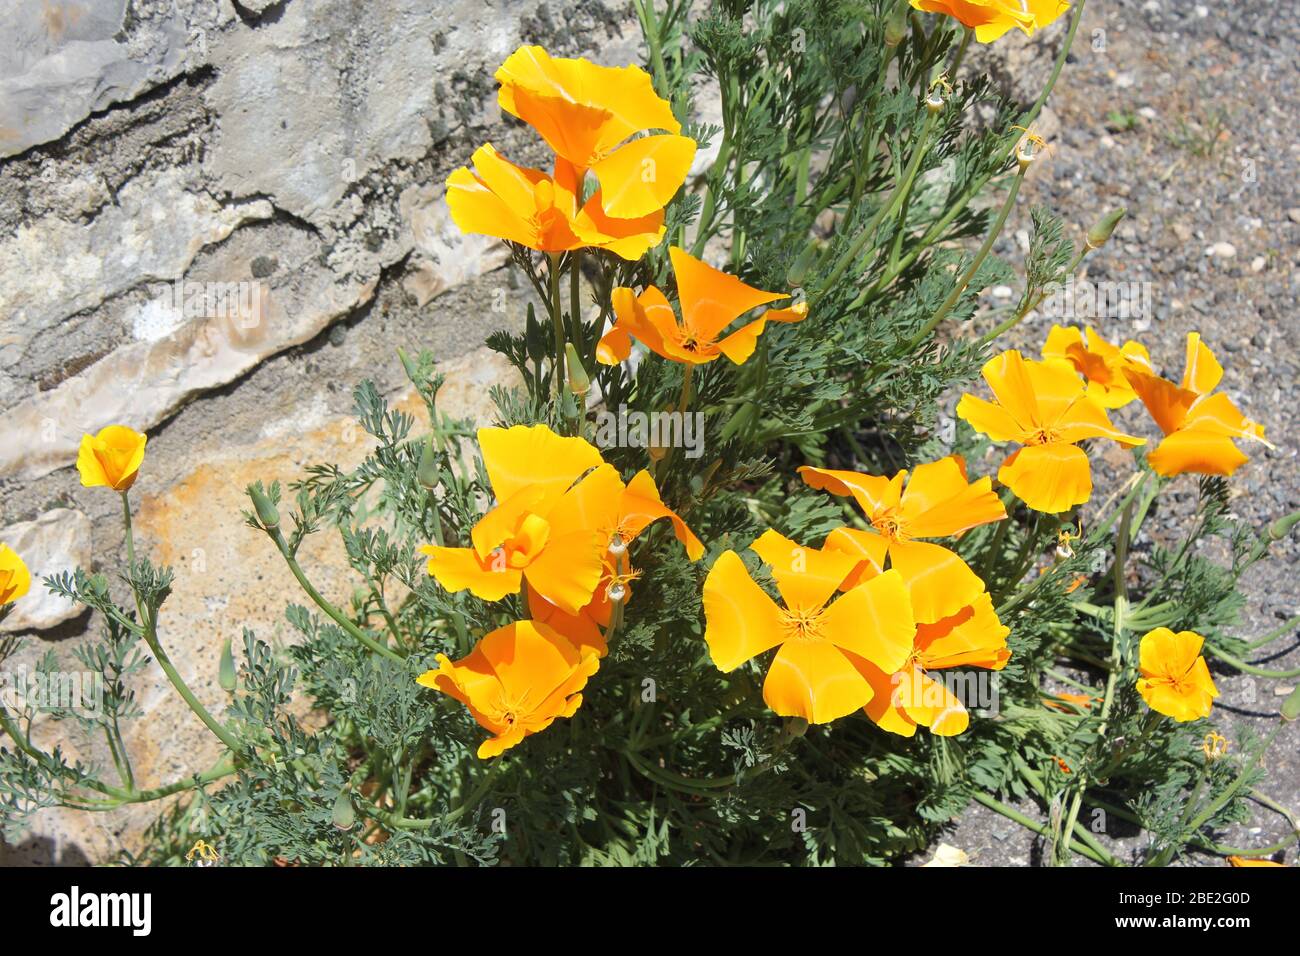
(215, 218)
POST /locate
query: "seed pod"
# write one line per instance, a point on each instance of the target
(226, 669)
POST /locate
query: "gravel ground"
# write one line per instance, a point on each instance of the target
(1188, 118)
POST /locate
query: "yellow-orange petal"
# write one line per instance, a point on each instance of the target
(15, 579)
(526, 455)
(642, 175)
(874, 621)
(806, 577)
(1007, 375)
(873, 493)
(939, 581)
(869, 548)
(568, 569)
(883, 709)
(930, 703)
(938, 500)
(1202, 371)
(815, 681)
(1196, 451)
(988, 418)
(111, 457)
(711, 299)
(741, 621)
(973, 637)
(459, 568)
(641, 504)
(1049, 478)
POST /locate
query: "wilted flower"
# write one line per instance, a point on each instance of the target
(1175, 680)
(1043, 406)
(517, 681)
(1199, 426)
(710, 301)
(112, 457)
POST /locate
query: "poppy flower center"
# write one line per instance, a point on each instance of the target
(1042, 436)
(531, 535)
(890, 525)
(802, 624)
(692, 342)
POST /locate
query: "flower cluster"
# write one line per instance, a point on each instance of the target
(593, 118)
(1049, 406)
(560, 531)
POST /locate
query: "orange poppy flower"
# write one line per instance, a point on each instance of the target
(710, 301)
(591, 116)
(526, 206)
(111, 458)
(1101, 363)
(1043, 406)
(990, 19)
(1251, 861)
(1199, 426)
(619, 513)
(936, 502)
(823, 646)
(15, 579)
(1175, 680)
(517, 681)
(540, 528)
(974, 637)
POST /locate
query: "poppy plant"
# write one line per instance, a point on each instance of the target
(111, 458)
(1175, 681)
(710, 301)
(1199, 424)
(517, 681)
(15, 579)
(1044, 406)
(591, 116)
(935, 502)
(1099, 362)
(541, 528)
(518, 204)
(822, 645)
(990, 19)
(973, 637)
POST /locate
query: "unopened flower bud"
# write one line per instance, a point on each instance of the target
(1102, 229)
(427, 472)
(579, 380)
(1280, 528)
(1291, 706)
(896, 25)
(267, 513)
(226, 668)
(798, 271)
(345, 815)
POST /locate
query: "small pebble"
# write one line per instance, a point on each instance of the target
(1222, 250)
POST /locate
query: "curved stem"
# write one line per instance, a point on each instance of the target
(334, 613)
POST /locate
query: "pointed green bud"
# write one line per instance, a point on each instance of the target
(427, 473)
(345, 815)
(799, 270)
(579, 380)
(267, 513)
(896, 25)
(1291, 706)
(1102, 229)
(408, 365)
(1280, 528)
(226, 669)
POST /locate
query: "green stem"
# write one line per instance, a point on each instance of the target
(334, 613)
(557, 320)
(1018, 817)
(904, 185)
(942, 312)
(1018, 316)
(1251, 668)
